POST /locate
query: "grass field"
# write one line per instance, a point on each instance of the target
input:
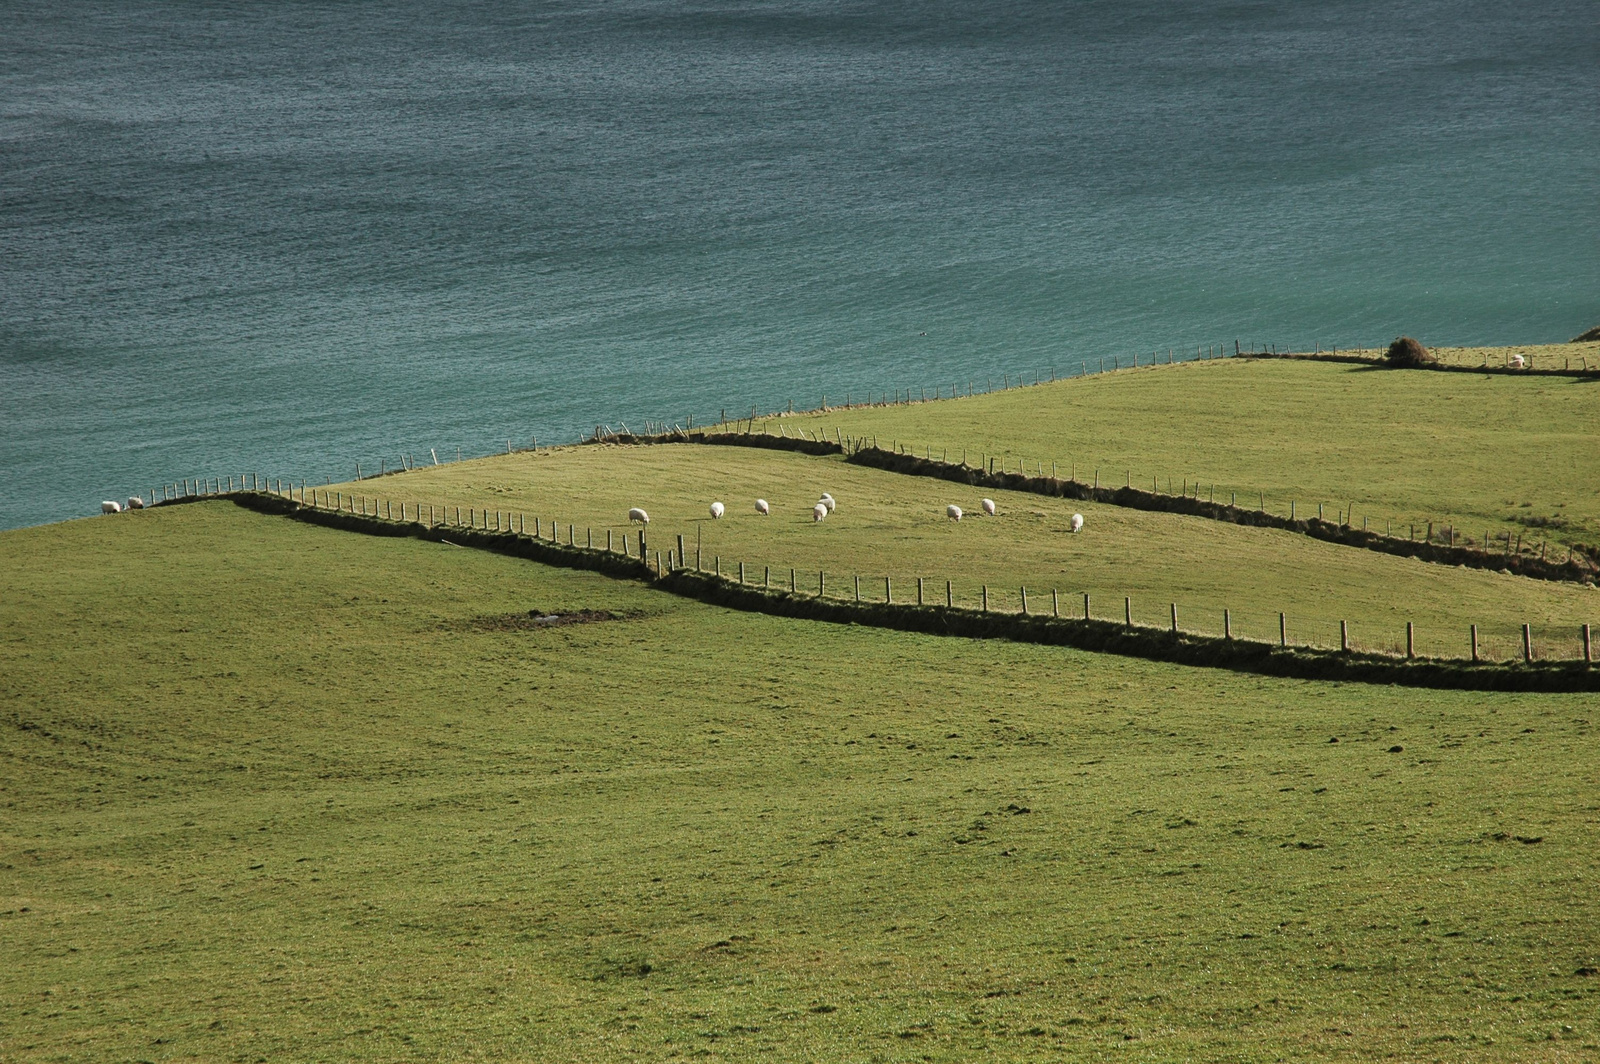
(893, 525)
(1486, 453)
(269, 791)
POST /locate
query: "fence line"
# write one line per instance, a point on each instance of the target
(509, 534)
(1576, 568)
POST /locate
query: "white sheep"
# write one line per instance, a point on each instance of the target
(110, 507)
(988, 507)
(717, 510)
(638, 516)
(819, 511)
(1518, 362)
(953, 512)
(762, 508)
(827, 500)
(1077, 522)
(135, 503)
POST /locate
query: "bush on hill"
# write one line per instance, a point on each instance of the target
(1587, 337)
(1408, 352)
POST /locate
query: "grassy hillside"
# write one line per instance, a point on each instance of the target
(1493, 453)
(888, 524)
(272, 791)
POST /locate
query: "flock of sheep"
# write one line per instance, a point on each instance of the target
(825, 506)
(638, 516)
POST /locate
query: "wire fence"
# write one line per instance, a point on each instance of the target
(1490, 641)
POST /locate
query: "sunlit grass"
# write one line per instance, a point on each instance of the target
(894, 526)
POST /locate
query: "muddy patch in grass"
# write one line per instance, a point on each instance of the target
(533, 620)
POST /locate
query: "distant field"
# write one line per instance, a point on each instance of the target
(1487, 453)
(1539, 356)
(269, 791)
(893, 525)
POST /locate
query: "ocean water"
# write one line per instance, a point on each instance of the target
(288, 237)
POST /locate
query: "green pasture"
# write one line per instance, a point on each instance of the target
(891, 525)
(276, 792)
(1485, 453)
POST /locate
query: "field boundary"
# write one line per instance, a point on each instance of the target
(868, 453)
(1175, 647)
(1380, 362)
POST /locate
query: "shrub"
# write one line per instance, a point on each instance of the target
(1408, 352)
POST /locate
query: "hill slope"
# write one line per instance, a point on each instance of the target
(269, 790)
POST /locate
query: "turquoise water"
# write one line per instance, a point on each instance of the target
(290, 237)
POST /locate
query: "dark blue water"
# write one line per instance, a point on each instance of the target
(290, 236)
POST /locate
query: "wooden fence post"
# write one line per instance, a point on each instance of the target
(888, 598)
(1283, 630)
(1055, 603)
(1474, 643)
(1127, 611)
(949, 598)
(858, 587)
(1086, 606)
(1588, 657)
(919, 591)
(985, 598)
(1344, 636)
(1227, 625)
(1527, 643)
(1174, 618)
(1411, 647)
(1024, 601)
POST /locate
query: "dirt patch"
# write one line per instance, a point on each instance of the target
(533, 620)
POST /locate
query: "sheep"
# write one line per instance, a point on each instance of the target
(135, 503)
(110, 507)
(819, 511)
(638, 516)
(827, 500)
(717, 510)
(1518, 362)
(1077, 522)
(762, 508)
(953, 512)
(988, 507)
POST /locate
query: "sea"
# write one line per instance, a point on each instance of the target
(286, 236)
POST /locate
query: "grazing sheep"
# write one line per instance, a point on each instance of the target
(762, 508)
(135, 503)
(988, 507)
(717, 510)
(1518, 362)
(819, 511)
(1077, 522)
(638, 516)
(827, 500)
(109, 507)
(953, 512)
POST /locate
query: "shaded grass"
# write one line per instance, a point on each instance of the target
(1497, 453)
(270, 790)
(893, 525)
